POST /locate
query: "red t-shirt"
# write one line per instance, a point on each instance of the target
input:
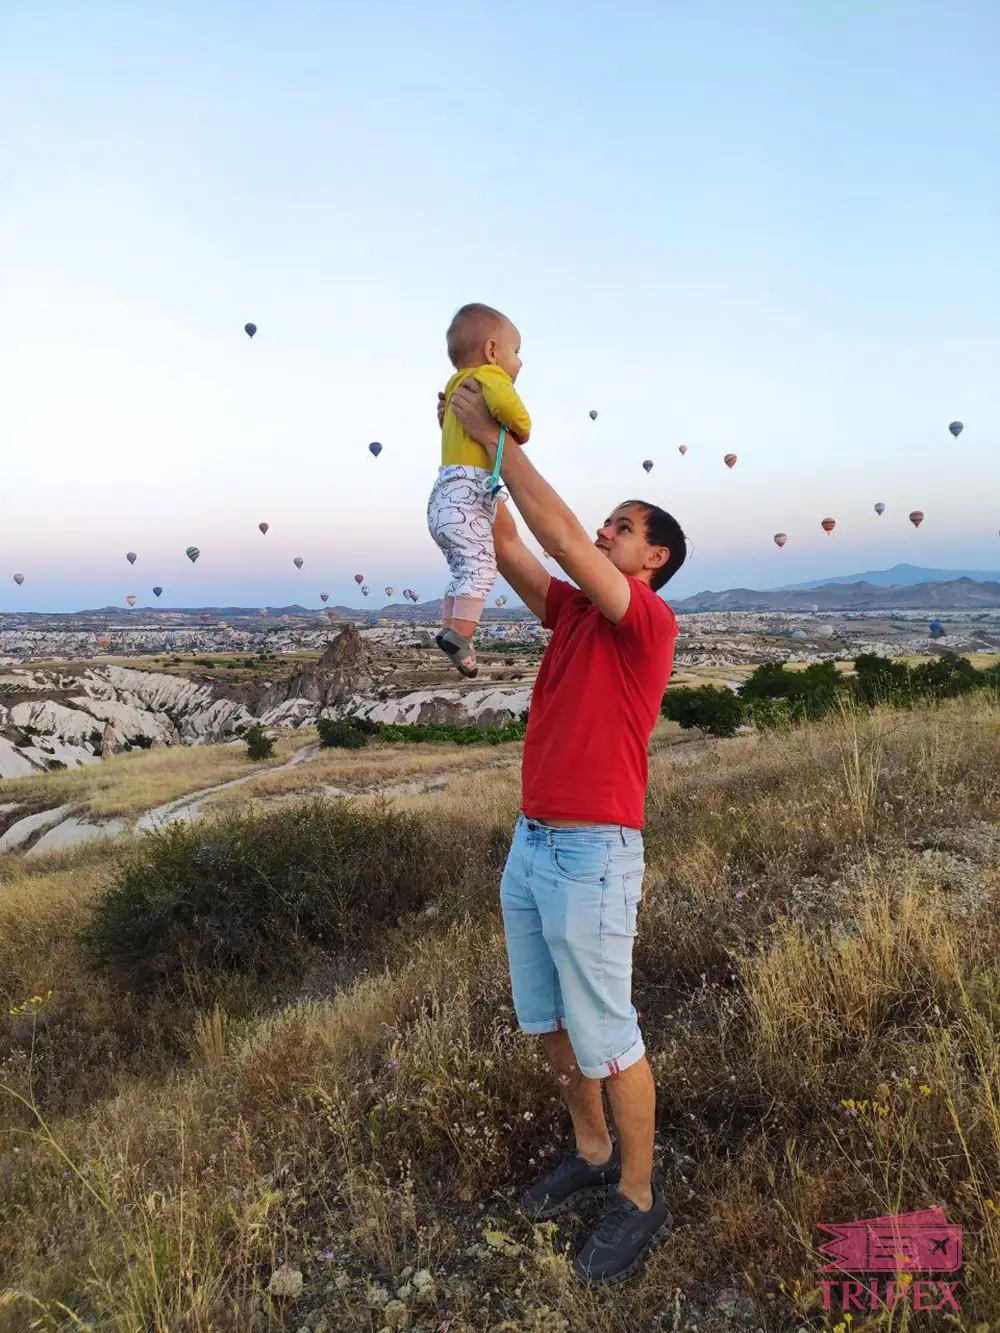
(594, 705)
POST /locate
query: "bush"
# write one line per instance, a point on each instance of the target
(253, 894)
(340, 734)
(946, 677)
(712, 708)
(259, 744)
(813, 691)
(879, 680)
(363, 724)
(468, 734)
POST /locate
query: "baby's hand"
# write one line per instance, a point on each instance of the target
(441, 410)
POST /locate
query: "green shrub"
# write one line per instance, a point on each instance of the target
(253, 894)
(773, 714)
(712, 708)
(880, 680)
(467, 734)
(259, 744)
(945, 677)
(363, 724)
(814, 691)
(339, 734)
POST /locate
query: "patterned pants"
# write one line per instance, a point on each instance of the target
(460, 515)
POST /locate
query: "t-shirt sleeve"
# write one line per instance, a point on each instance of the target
(648, 621)
(559, 594)
(503, 401)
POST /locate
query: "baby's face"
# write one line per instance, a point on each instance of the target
(507, 353)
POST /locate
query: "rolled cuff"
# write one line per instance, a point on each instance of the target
(617, 1066)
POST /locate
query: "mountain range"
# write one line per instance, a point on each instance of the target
(961, 594)
(900, 576)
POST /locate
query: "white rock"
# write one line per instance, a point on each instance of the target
(286, 1282)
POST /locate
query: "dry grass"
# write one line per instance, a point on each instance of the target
(128, 784)
(392, 1124)
(370, 770)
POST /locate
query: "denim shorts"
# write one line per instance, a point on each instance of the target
(569, 898)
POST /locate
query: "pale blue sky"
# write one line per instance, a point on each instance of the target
(770, 228)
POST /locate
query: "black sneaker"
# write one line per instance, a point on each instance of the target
(623, 1238)
(573, 1180)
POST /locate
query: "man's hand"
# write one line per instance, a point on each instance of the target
(474, 416)
(441, 408)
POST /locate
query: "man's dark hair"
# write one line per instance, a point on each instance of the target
(662, 529)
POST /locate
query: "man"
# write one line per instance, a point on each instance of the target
(573, 878)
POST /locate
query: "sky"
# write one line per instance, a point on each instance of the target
(768, 229)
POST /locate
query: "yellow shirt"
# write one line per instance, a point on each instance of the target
(458, 448)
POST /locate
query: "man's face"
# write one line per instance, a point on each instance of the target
(623, 540)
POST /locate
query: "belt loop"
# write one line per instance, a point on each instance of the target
(621, 834)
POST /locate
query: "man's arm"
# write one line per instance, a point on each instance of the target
(552, 522)
(523, 571)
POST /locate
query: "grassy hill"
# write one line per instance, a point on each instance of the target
(281, 1041)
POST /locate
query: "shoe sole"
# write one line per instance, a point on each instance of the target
(564, 1205)
(658, 1237)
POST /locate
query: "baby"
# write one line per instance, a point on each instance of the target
(461, 510)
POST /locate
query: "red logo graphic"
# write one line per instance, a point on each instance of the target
(898, 1243)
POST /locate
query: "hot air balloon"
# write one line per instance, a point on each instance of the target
(501, 601)
(263, 526)
(222, 625)
(730, 460)
(298, 562)
(130, 557)
(204, 617)
(359, 579)
(131, 599)
(917, 517)
(780, 538)
(880, 509)
(593, 414)
(103, 640)
(19, 579)
(249, 329)
(324, 597)
(192, 553)
(414, 597)
(365, 590)
(388, 590)
(682, 449)
(828, 525)
(647, 465)
(956, 428)
(157, 590)
(936, 629)
(375, 448)
(264, 611)
(825, 631)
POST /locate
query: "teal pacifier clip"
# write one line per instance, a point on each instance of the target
(492, 482)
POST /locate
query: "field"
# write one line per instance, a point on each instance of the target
(217, 1103)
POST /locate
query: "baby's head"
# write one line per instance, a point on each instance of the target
(479, 335)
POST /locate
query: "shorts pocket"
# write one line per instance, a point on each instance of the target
(583, 861)
(633, 894)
